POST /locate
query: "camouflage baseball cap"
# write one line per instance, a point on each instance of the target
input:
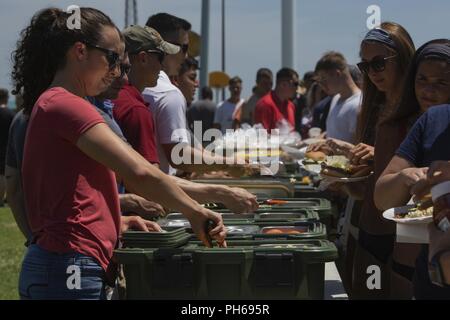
(139, 38)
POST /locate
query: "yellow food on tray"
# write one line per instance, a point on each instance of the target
(306, 180)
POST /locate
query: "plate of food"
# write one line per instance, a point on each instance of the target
(339, 169)
(410, 214)
(313, 160)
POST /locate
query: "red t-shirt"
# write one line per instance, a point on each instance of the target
(135, 119)
(270, 110)
(71, 199)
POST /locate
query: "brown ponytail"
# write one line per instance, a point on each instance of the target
(41, 50)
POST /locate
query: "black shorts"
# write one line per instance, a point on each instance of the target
(380, 246)
(405, 271)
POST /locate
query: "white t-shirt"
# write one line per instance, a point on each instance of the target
(224, 114)
(168, 106)
(343, 116)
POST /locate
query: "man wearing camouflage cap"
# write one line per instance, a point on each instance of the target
(146, 50)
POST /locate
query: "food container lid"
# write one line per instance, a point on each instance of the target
(175, 216)
(166, 234)
(160, 243)
(235, 216)
(285, 230)
(440, 189)
(250, 229)
(287, 245)
(175, 223)
(282, 215)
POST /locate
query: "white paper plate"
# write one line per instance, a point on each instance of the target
(314, 168)
(390, 215)
(344, 180)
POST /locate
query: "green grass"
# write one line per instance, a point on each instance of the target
(12, 250)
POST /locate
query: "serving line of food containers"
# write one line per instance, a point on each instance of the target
(278, 252)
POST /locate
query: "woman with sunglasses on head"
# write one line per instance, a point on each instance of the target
(427, 85)
(386, 53)
(71, 155)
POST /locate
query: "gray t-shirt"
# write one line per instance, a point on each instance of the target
(343, 116)
(16, 140)
(112, 124)
(18, 130)
(6, 117)
(224, 114)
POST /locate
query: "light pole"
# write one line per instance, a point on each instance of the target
(223, 44)
(204, 51)
(288, 33)
(130, 12)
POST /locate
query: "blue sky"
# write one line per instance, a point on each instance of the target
(253, 27)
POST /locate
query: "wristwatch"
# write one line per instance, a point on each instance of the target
(439, 269)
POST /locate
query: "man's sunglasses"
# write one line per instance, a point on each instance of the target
(112, 56)
(124, 69)
(378, 64)
(294, 83)
(184, 47)
(160, 55)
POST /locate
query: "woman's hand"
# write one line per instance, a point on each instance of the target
(132, 203)
(411, 176)
(199, 223)
(239, 200)
(361, 154)
(331, 147)
(320, 146)
(339, 147)
(439, 171)
(138, 224)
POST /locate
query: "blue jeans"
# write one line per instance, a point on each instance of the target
(51, 276)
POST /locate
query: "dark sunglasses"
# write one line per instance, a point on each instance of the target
(112, 56)
(378, 64)
(294, 83)
(160, 55)
(320, 80)
(184, 47)
(124, 69)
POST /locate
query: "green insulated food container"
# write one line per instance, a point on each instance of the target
(246, 269)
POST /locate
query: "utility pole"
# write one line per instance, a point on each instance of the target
(223, 44)
(204, 51)
(131, 13)
(288, 33)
